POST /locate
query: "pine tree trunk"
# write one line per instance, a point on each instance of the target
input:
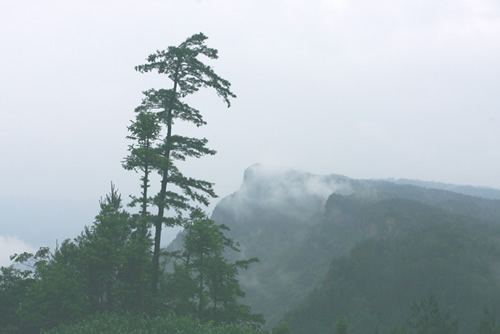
(200, 306)
(143, 232)
(163, 191)
(161, 209)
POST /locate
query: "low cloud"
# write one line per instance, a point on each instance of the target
(293, 193)
(273, 184)
(10, 245)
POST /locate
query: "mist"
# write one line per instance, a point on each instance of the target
(331, 97)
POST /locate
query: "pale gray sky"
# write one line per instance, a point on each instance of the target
(368, 89)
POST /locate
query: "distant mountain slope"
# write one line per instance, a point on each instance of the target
(271, 216)
(376, 283)
(488, 209)
(484, 192)
(296, 223)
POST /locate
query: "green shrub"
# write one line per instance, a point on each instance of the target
(136, 324)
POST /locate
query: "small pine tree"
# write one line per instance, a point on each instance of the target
(341, 325)
(488, 324)
(206, 283)
(427, 319)
(281, 329)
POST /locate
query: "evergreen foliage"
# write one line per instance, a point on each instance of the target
(97, 273)
(281, 329)
(45, 294)
(143, 154)
(277, 218)
(133, 323)
(341, 325)
(488, 324)
(93, 273)
(178, 193)
(374, 285)
(426, 318)
(204, 284)
(107, 268)
(106, 256)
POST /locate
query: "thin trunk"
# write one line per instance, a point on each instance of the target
(200, 306)
(158, 227)
(161, 207)
(145, 190)
(215, 306)
(143, 237)
(109, 299)
(156, 251)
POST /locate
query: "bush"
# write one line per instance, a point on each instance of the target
(136, 324)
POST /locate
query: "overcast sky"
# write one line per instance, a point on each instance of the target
(363, 88)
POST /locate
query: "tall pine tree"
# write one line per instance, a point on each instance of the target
(188, 74)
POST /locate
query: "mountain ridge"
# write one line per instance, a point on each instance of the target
(296, 223)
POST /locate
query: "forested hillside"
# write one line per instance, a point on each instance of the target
(297, 223)
(311, 253)
(376, 283)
